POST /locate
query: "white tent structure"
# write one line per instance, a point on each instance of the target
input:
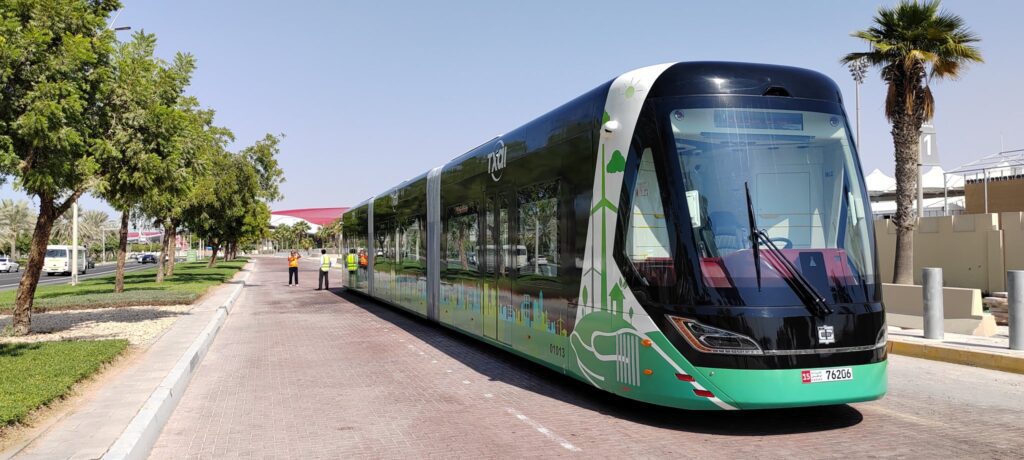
(879, 183)
(932, 206)
(940, 188)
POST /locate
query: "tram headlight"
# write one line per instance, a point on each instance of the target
(709, 339)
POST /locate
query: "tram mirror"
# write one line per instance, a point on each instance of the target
(693, 203)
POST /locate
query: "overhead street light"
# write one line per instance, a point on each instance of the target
(859, 70)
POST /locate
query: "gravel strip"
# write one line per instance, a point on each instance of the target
(138, 325)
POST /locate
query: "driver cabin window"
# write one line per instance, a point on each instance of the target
(647, 238)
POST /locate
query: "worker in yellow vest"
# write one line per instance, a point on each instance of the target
(325, 267)
(352, 263)
(293, 268)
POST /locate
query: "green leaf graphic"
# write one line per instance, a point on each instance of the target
(617, 164)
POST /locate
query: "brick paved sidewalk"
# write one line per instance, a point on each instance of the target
(297, 373)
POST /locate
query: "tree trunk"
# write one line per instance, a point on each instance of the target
(173, 249)
(906, 129)
(122, 252)
(22, 320)
(213, 255)
(160, 258)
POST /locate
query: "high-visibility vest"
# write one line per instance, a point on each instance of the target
(352, 262)
(325, 262)
(363, 261)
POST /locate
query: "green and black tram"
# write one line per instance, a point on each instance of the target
(694, 235)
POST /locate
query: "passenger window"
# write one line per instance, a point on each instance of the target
(461, 248)
(537, 251)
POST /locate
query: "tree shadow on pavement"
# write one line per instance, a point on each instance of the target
(499, 365)
(58, 321)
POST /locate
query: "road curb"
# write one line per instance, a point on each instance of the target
(938, 352)
(139, 437)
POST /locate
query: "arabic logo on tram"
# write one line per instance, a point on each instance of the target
(496, 161)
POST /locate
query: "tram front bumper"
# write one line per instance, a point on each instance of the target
(781, 388)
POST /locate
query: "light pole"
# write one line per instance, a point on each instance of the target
(74, 244)
(74, 224)
(858, 70)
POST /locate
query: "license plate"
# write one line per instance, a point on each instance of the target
(826, 375)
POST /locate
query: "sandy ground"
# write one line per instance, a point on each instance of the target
(138, 325)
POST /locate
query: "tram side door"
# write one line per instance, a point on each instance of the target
(498, 312)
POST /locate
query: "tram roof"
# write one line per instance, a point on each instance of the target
(740, 78)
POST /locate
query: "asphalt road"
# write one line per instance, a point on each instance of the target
(11, 280)
(298, 373)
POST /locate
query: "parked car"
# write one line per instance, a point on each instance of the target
(147, 259)
(8, 265)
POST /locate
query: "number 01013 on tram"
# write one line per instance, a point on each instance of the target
(694, 235)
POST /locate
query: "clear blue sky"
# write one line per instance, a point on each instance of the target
(371, 93)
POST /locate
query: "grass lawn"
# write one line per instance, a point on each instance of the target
(34, 374)
(190, 280)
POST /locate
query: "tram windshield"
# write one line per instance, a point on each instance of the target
(805, 195)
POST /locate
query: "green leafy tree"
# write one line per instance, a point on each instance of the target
(913, 43)
(55, 69)
(90, 227)
(233, 194)
(145, 169)
(282, 235)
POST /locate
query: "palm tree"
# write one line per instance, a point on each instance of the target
(91, 225)
(90, 228)
(913, 43)
(16, 218)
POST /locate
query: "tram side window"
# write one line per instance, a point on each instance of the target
(411, 241)
(647, 239)
(461, 231)
(537, 251)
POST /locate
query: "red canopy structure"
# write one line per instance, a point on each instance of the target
(317, 217)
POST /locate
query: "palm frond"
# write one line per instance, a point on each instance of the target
(928, 103)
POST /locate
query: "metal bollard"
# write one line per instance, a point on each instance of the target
(1015, 302)
(931, 282)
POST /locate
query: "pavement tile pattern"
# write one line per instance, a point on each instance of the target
(298, 373)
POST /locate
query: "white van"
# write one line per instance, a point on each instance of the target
(58, 260)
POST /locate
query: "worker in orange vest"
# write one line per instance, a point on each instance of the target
(293, 268)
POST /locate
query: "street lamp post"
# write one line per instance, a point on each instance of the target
(74, 244)
(858, 70)
(74, 224)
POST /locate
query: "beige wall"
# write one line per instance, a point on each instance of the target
(968, 248)
(1012, 224)
(1004, 194)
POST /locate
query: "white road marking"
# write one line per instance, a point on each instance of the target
(546, 432)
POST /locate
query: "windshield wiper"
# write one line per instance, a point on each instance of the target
(814, 302)
(753, 236)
